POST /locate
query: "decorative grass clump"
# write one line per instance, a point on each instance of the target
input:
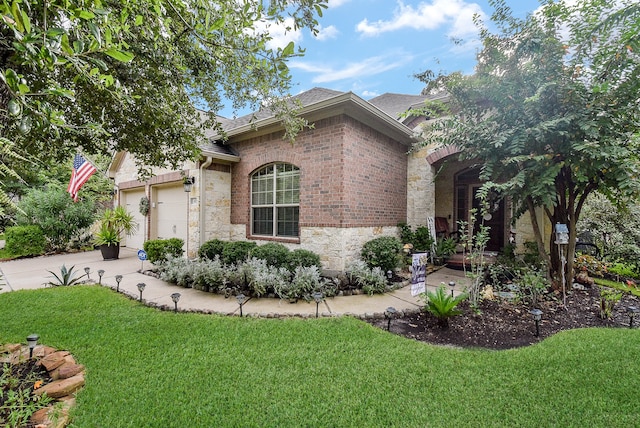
(161, 369)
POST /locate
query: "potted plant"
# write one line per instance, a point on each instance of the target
(113, 224)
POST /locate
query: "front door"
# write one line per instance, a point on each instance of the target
(467, 185)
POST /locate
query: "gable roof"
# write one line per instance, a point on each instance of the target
(320, 103)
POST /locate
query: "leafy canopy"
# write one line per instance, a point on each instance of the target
(551, 111)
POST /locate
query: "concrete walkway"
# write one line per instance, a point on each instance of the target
(33, 273)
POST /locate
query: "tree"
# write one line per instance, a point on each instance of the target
(105, 75)
(551, 111)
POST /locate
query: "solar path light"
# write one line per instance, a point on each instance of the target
(241, 301)
(118, 279)
(318, 296)
(389, 313)
(141, 286)
(175, 297)
(100, 273)
(537, 316)
(32, 341)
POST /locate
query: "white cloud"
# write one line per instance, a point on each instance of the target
(369, 94)
(337, 3)
(328, 33)
(281, 34)
(367, 67)
(427, 16)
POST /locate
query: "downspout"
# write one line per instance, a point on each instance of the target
(202, 222)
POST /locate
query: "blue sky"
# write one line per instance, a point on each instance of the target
(371, 47)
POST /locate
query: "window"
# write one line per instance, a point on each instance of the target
(275, 200)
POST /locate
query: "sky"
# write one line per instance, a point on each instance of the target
(371, 47)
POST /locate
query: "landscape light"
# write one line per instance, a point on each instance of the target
(141, 286)
(318, 296)
(389, 313)
(118, 279)
(241, 299)
(87, 270)
(537, 316)
(452, 284)
(32, 341)
(631, 311)
(100, 273)
(175, 297)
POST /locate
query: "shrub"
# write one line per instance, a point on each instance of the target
(273, 253)
(625, 270)
(421, 238)
(305, 281)
(59, 219)
(159, 250)
(445, 247)
(608, 299)
(371, 280)
(305, 258)
(25, 240)
(67, 277)
(237, 251)
(441, 305)
(590, 264)
(176, 270)
(211, 249)
(210, 275)
(382, 252)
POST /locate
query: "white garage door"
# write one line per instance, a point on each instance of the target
(171, 212)
(130, 199)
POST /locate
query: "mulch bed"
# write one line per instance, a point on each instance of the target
(502, 324)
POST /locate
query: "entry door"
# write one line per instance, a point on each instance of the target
(494, 220)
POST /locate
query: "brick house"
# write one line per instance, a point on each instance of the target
(344, 182)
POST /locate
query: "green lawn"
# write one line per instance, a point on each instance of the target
(147, 368)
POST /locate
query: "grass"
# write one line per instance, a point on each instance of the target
(160, 369)
(617, 285)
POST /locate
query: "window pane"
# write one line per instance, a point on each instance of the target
(288, 221)
(288, 187)
(263, 221)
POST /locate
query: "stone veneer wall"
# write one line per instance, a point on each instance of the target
(421, 198)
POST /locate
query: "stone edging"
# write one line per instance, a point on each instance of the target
(67, 378)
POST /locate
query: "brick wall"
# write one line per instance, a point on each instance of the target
(350, 174)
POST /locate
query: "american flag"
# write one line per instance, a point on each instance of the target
(82, 170)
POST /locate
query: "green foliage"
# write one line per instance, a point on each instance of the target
(531, 284)
(445, 247)
(78, 74)
(67, 277)
(60, 219)
(305, 281)
(25, 241)
(237, 251)
(383, 252)
(608, 299)
(211, 249)
(304, 258)
(421, 238)
(473, 246)
(20, 402)
(275, 254)
(114, 223)
(591, 265)
(441, 305)
(161, 250)
(371, 280)
(624, 270)
(548, 130)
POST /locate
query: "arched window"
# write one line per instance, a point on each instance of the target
(275, 200)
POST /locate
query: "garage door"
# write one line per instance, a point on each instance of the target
(131, 200)
(171, 212)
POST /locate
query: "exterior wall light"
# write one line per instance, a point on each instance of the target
(188, 182)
